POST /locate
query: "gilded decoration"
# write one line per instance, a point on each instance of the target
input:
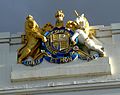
(59, 43)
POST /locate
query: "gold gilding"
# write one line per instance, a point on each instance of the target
(59, 41)
(33, 36)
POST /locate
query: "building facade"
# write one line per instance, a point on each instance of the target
(97, 77)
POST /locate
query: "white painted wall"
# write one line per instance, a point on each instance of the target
(108, 35)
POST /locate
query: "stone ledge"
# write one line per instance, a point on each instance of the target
(96, 67)
(4, 35)
(115, 26)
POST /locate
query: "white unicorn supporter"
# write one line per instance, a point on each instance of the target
(83, 37)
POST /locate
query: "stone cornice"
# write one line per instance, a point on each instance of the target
(105, 82)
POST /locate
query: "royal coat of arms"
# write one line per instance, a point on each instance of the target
(58, 43)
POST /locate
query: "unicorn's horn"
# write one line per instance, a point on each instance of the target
(76, 13)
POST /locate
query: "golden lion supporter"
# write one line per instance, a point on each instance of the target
(34, 40)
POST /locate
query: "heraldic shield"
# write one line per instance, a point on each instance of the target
(59, 45)
(59, 41)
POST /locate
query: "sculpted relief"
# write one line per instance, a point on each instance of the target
(59, 43)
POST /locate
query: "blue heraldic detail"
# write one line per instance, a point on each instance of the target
(59, 46)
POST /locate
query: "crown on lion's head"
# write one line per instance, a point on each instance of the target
(59, 13)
